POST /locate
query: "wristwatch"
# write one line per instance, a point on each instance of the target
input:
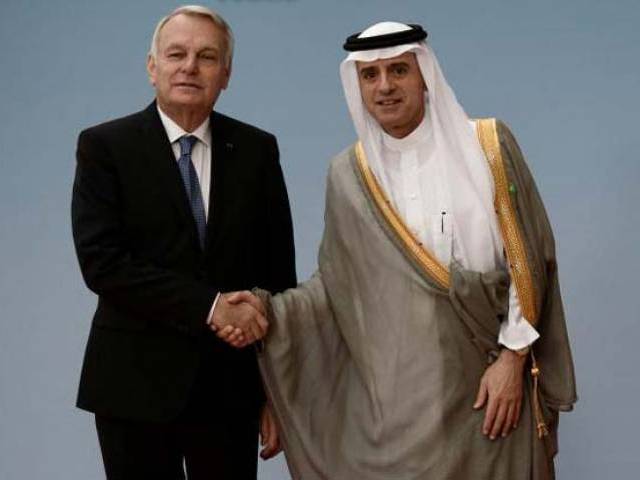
(522, 352)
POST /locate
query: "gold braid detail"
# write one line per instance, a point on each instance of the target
(513, 242)
(514, 246)
(428, 262)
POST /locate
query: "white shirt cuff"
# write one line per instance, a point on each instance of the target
(213, 307)
(516, 332)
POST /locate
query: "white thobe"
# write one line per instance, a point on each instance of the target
(417, 183)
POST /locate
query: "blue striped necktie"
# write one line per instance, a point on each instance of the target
(191, 185)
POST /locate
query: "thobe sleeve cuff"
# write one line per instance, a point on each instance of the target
(516, 332)
(213, 307)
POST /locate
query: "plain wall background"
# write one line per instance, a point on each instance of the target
(563, 74)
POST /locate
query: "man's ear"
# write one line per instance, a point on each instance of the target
(227, 76)
(151, 69)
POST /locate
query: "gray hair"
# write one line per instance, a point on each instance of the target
(197, 10)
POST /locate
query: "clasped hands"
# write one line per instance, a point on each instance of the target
(239, 318)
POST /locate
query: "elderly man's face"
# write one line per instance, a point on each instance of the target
(392, 90)
(188, 70)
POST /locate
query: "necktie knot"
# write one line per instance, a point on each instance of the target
(186, 144)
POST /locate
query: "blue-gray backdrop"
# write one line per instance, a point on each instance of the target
(564, 76)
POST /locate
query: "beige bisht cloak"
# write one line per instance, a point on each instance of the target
(372, 365)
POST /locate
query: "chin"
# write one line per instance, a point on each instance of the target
(389, 121)
(185, 100)
(187, 95)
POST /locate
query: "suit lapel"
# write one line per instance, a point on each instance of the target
(163, 165)
(222, 152)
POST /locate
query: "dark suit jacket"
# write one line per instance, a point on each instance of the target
(150, 353)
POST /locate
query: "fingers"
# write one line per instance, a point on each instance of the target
(237, 338)
(251, 327)
(481, 397)
(228, 333)
(240, 296)
(252, 331)
(256, 303)
(267, 442)
(252, 323)
(271, 449)
(237, 334)
(516, 416)
(501, 415)
(265, 427)
(508, 422)
(225, 332)
(232, 335)
(246, 296)
(269, 436)
(490, 416)
(240, 324)
(262, 324)
(501, 390)
(246, 316)
(505, 419)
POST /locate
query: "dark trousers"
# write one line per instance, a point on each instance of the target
(222, 447)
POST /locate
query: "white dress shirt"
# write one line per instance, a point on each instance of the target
(416, 182)
(200, 153)
(201, 159)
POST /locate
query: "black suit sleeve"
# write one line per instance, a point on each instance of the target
(281, 251)
(140, 288)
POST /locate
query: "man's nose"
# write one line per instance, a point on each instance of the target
(386, 83)
(190, 64)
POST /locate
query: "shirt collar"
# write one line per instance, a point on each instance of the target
(175, 131)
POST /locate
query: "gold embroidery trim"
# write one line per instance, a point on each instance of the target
(514, 246)
(511, 235)
(424, 258)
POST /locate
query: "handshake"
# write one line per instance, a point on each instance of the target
(239, 318)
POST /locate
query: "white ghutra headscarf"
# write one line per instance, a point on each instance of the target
(469, 184)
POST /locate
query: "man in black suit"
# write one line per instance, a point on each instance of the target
(172, 206)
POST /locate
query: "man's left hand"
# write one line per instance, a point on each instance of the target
(269, 435)
(501, 390)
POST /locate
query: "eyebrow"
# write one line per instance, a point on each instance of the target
(398, 64)
(369, 68)
(182, 47)
(391, 65)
